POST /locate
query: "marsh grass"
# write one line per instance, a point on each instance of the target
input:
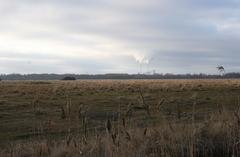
(217, 136)
(166, 119)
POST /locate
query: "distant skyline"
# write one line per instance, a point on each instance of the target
(112, 36)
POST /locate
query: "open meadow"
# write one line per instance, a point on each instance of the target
(108, 118)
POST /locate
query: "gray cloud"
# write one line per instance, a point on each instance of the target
(109, 36)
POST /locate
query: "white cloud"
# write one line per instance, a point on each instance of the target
(232, 26)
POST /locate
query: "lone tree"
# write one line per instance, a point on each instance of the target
(221, 70)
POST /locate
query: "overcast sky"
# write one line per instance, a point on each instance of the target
(119, 36)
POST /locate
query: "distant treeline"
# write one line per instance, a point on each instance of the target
(113, 76)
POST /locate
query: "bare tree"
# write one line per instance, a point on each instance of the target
(221, 70)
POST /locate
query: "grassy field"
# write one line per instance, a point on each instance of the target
(102, 117)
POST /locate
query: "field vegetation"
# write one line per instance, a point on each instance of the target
(120, 118)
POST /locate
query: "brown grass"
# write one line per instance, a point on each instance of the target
(216, 136)
(170, 118)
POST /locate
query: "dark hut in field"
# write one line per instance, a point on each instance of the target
(69, 78)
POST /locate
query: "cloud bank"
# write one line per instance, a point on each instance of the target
(108, 36)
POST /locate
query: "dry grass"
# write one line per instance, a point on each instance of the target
(216, 136)
(168, 118)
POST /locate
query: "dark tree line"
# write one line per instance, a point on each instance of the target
(113, 76)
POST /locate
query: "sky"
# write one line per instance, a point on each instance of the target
(119, 36)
